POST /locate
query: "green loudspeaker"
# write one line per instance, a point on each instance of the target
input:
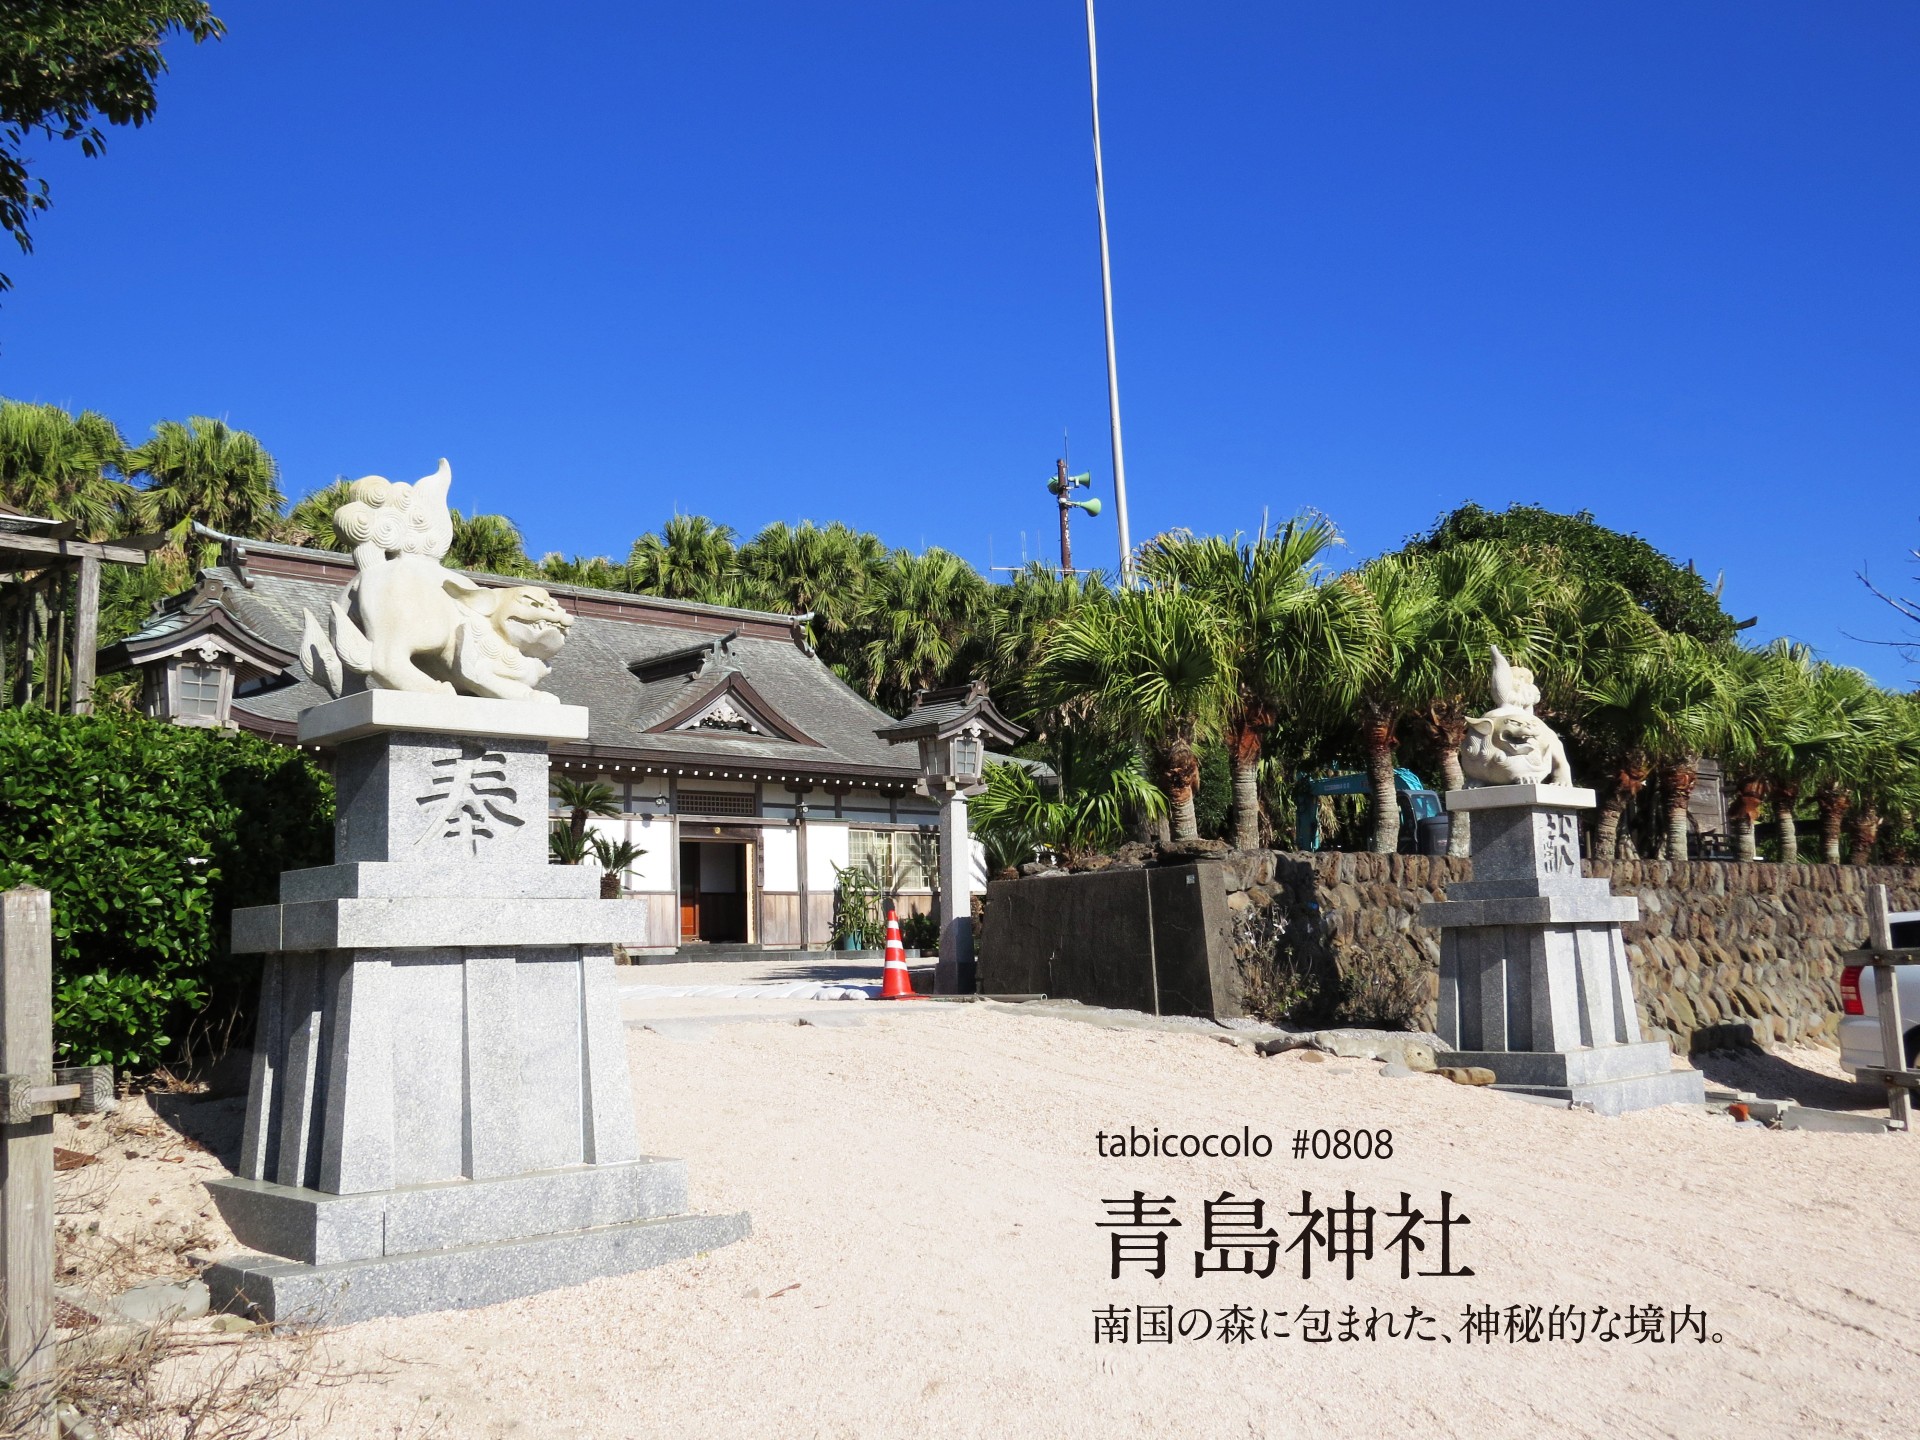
(1092, 507)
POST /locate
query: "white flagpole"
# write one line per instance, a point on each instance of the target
(1106, 294)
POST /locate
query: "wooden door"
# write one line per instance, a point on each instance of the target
(689, 892)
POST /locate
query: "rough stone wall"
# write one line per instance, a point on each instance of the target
(1720, 952)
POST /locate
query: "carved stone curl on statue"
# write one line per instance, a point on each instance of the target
(410, 623)
(1510, 745)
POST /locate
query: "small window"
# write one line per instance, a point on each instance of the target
(896, 859)
(966, 756)
(199, 691)
(918, 853)
(711, 802)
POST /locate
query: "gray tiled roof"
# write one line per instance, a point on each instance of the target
(592, 670)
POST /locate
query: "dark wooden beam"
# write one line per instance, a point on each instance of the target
(25, 551)
(86, 633)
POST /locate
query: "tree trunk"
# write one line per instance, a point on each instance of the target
(1180, 777)
(609, 884)
(1629, 779)
(1606, 839)
(1748, 805)
(1677, 780)
(1894, 851)
(1866, 829)
(1460, 828)
(1833, 812)
(1244, 752)
(1784, 797)
(1185, 825)
(1386, 806)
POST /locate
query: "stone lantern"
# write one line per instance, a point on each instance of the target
(952, 728)
(193, 657)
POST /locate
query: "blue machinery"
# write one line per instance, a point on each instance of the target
(1417, 805)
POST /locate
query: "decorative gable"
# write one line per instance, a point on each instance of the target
(726, 714)
(731, 706)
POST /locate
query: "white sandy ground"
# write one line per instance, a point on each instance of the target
(925, 1259)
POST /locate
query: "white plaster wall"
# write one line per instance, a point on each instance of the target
(655, 868)
(827, 846)
(866, 805)
(782, 862)
(655, 835)
(648, 793)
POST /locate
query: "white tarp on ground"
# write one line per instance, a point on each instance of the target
(796, 990)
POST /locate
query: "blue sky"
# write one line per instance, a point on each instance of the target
(772, 261)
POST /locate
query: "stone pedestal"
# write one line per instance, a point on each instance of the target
(440, 1112)
(1534, 981)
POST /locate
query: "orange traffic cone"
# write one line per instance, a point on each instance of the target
(897, 984)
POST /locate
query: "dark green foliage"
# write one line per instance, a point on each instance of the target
(67, 64)
(490, 544)
(1674, 595)
(1213, 797)
(148, 836)
(920, 932)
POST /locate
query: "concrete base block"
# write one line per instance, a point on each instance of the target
(1613, 1079)
(1567, 1067)
(319, 1228)
(462, 1277)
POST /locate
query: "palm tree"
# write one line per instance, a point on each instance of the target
(1083, 813)
(1156, 665)
(580, 799)
(490, 544)
(1435, 618)
(1285, 632)
(808, 570)
(615, 858)
(1620, 699)
(564, 847)
(310, 521)
(1021, 616)
(919, 626)
(1887, 782)
(207, 471)
(1698, 690)
(1849, 714)
(63, 467)
(691, 558)
(595, 572)
(1654, 711)
(1767, 720)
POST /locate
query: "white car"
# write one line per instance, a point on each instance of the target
(1860, 1010)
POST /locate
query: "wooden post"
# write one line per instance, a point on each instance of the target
(26, 1150)
(1886, 996)
(86, 633)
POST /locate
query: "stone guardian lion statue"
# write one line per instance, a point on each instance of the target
(1510, 745)
(409, 623)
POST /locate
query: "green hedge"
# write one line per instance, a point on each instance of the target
(148, 835)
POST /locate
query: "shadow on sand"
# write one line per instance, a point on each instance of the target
(1772, 1078)
(214, 1123)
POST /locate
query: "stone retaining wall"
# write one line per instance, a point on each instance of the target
(1721, 951)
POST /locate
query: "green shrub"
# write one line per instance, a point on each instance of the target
(148, 836)
(920, 932)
